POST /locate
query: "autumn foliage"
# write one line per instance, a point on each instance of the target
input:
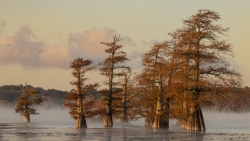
(179, 78)
(114, 61)
(80, 101)
(26, 103)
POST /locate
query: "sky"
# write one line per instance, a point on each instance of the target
(39, 38)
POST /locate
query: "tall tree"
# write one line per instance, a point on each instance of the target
(123, 106)
(202, 53)
(114, 61)
(129, 91)
(155, 78)
(80, 101)
(26, 102)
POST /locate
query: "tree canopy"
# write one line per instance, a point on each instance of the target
(26, 102)
(80, 101)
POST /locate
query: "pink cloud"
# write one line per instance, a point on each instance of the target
(55, 56)
(22, 49)
(19, 51)
(88, 43)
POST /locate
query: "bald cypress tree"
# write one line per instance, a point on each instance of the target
(26, 102)
(80, 101)
(154, 79)
(203, 69)
(114, 61)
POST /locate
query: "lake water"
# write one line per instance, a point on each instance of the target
(57, 125)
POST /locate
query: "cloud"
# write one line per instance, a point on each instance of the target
(135, 59)
(135, 55)
(2, 25)
(126, 41)
(25, 32)
(19, 49)
(24, 49)
(150, 43)
(55, 56)
(88, 43)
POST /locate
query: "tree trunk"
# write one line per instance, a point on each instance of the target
(108, 121)
(81, 122)
(195, 121)
(26, 118)
(166, 110)
(158, 114)
(185, 111)
(124, 118)
(149, 119)
(160, 120)
(157, 119)
(27, 114)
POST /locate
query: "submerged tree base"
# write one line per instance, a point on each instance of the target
(160, 122)
(149, 121)
(194, 122)
(108, 122)
(26, 118)
(81, 123)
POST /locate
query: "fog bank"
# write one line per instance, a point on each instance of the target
(60, 117)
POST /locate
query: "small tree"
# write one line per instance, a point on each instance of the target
(114, 61)
(80, 101)
(25, 103)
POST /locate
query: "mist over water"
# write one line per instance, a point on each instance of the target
(56, 124)
(45, 117)
(61, 117)
(234, 122)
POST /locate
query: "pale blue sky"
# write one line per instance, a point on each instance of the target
(56, 31)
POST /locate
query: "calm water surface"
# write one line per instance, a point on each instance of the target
(56, 125)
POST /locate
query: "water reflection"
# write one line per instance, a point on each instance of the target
(121, 132)
(126, 133)
(81, 134)
(109, 132)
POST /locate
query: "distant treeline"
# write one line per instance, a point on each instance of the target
(239, 101)
(52, 98)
